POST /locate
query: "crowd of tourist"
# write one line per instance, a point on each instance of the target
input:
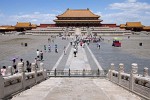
(39, 55)
(26, 65)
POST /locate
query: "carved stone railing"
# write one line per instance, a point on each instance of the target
(18, 82)
(139, 84)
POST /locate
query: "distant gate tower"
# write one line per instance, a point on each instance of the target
(78, 17)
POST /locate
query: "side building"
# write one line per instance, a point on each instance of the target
(135, 26)
(22, 26)
(19, 27)
(7, 28)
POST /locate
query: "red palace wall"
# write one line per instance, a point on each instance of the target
(47, 25)
(54, 25)
(108, 25)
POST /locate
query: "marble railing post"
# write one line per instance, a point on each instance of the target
(10, 71)
(111, 69)
(42, 66)
(145, 73)
(1, 86)
(133, 73)
(35, 71)
(121, 70)
(20, 67)
(42, 69)
(21, 70)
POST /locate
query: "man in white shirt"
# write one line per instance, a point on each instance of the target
(75, 52)
(38, 53)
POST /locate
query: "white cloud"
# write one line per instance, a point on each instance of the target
(120, 17)
(36, 12)
(132, 6)
(147, 12)
(35, 17)
(130, 10)
(34, 20)
(132, 0)
(99, 13)
(56, 11)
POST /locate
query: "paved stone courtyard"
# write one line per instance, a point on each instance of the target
(130, 52)
(76, 88)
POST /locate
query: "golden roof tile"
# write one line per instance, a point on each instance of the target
(78, 13)
(23, 24)
(134, 24)
(7, 28)
(122, 25)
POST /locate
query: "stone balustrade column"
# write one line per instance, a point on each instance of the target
(22, 71)
(134, 71)
(42, 66)
(111, 69)
(145, 73)
(33, 67)
(1, 86)
(35, 71)
(20, 67)
(121, 70)
(42, 69)
(9, 71)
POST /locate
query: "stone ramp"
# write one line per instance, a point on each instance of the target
(79, 62)
(76, 89)
(113, 91)
(38, 92)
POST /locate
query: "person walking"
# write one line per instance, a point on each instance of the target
(45, 48)
(41, 55)
(14, 66)
(75, 52)
(38, 53)
(3, 71)
(21, 60)
(49, 48)
(64, 50)
(49, 40)
(28, 66)
(81, 43)
(35, 61)
(99, 45)
(56, 50)
(88, 42)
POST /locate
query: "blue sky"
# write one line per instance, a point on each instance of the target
(44, 11)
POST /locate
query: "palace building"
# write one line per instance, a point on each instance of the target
(80, 17)
(20, 26)
(7, 28)
(134, 26)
